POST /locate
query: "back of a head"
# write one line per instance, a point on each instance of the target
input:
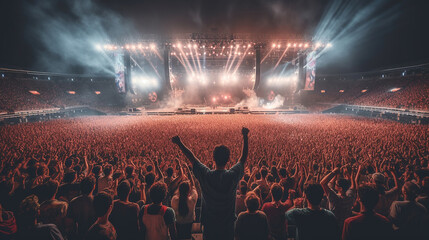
(107, 170)
(314, 193)
(129, 171)
(87, 185)
(28, 211)
(97, 170)
(169, 172)
(344, 184)
(102, 203)
(184, 188)
(221, 155)
(157, 192)
(276, 192)
(149, 179)
(124, 189)
(411, 190)
(368, 196)
(283, 172)
(251, 202)
(264, 172)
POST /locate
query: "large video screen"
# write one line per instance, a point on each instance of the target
(310, 77)
(120, 72)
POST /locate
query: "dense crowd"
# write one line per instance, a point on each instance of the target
(411, 93)
(328, 177)
(15, 93)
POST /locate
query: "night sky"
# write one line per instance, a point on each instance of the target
(398, 34)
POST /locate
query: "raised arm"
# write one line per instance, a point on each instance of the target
(188, 153)
(328, 178)
(245, 151)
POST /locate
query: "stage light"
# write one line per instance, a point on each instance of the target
(179, 45)
(223, 46)
(214, 99)
(318, 44)
(306, 45)
(329, 45)
(225, 97)
(248, 45)
(204, 46)
(274, 45)
(294, 45)
(174, 45)
(133, 47)
(289, 44)
(300, 45)
(278, 46)
(189, 45)
(152, 46)
(98, 47)
(140, 46)
(195, 45)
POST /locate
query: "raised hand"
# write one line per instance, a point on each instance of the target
(245, 131)
(176, 140)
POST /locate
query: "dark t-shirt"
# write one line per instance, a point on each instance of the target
(218, 193)
(367, 226)
(313, 224)
(81, 210)
(41, 231)
(169, 215)
(101, 232)
(276, 218)
(124, 218)
(251, 226)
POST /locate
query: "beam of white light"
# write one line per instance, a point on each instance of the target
(281, 57)
(240, 60)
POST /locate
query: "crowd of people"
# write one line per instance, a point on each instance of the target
(15, 93)
(154, 177)
(410, 92)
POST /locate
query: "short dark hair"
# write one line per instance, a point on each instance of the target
(96, 170)
(411, 190)
(87, 185)
(149, 179)
(252, 202)
(344, 184)
(368, 196)
(157, 192)
(124, 189)
(264, 172)
(129, 170)
(102, 202)
(28, 211)
(169, 171)
(276, 192)
(314, 193)
(107, 170)
(221, 155)
(283, 172)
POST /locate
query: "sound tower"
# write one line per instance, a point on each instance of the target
(258, 66)
(167, 66)
(127, 66)
(301, 70)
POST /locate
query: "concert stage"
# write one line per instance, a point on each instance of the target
(220, 110)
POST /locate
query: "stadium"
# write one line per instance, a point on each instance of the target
(202, 121)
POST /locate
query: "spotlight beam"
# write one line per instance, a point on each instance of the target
(240, 60)
(281, 57)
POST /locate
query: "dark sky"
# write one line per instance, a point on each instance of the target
(398, 33)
